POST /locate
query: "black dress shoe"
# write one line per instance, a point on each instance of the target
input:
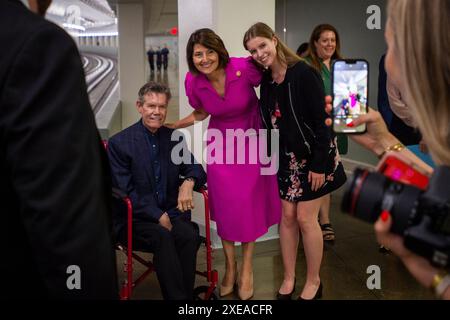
(317, 296)
(287, 296)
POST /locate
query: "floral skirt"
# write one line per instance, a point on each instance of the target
(293, 176)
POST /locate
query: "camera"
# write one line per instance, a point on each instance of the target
(419, 205)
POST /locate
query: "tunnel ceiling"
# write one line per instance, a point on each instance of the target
(160, 16)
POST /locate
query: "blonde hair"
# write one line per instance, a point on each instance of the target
(421, 43)
(284, 54)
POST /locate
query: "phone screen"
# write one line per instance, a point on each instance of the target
(350, 94)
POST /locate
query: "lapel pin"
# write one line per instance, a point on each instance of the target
(238, 73)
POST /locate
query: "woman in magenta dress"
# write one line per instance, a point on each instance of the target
(244, 202)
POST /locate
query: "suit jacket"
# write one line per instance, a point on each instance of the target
(54, 190)
(129, 156)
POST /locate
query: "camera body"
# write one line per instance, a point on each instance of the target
(419, 205)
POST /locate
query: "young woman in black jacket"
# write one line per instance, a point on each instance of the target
(292, 101)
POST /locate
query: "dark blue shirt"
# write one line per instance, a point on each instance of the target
(153, 140)
(155, 159)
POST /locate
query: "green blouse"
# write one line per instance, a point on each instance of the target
(325, 73)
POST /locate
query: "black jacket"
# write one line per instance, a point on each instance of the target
(301, 99)
(54, 185)
(129, 156)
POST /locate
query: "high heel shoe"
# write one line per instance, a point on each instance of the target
(317, 296)
(226, 290)
(246, 294)
(287, 296)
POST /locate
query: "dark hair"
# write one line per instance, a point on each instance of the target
(153, 87)
(284, 54)
(315, 36)
(302, 49)
(42, 6)
(209, 39)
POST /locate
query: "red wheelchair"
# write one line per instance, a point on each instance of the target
(206, 292)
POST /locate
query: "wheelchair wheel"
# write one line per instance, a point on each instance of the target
(200, 292)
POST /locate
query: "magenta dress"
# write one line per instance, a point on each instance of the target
(244, 203)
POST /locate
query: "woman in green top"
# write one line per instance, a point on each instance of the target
(324, 47)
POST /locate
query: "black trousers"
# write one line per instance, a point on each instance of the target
(152, 65)
(174, 254)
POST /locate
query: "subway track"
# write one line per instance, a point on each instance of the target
(101, 77)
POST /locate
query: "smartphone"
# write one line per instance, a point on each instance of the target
(350, 87)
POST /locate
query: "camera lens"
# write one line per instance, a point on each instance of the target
(363, 195)
(421, 217)
(368, 193)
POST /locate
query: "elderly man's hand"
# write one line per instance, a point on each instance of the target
(185, 196)
(164, 220)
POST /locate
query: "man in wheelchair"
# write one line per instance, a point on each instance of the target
(142, 167)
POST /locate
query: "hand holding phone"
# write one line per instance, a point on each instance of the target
(350, 87)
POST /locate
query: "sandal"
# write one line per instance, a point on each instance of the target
(327, 232)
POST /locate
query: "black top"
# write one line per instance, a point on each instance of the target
(301, 100)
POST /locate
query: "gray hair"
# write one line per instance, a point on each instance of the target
(153, 87)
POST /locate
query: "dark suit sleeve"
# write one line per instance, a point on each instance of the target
(144, 203)
(52, 153)
(192, 168)
(314, 94)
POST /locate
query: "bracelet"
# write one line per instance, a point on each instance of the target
(395, 147)
(440, 283)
